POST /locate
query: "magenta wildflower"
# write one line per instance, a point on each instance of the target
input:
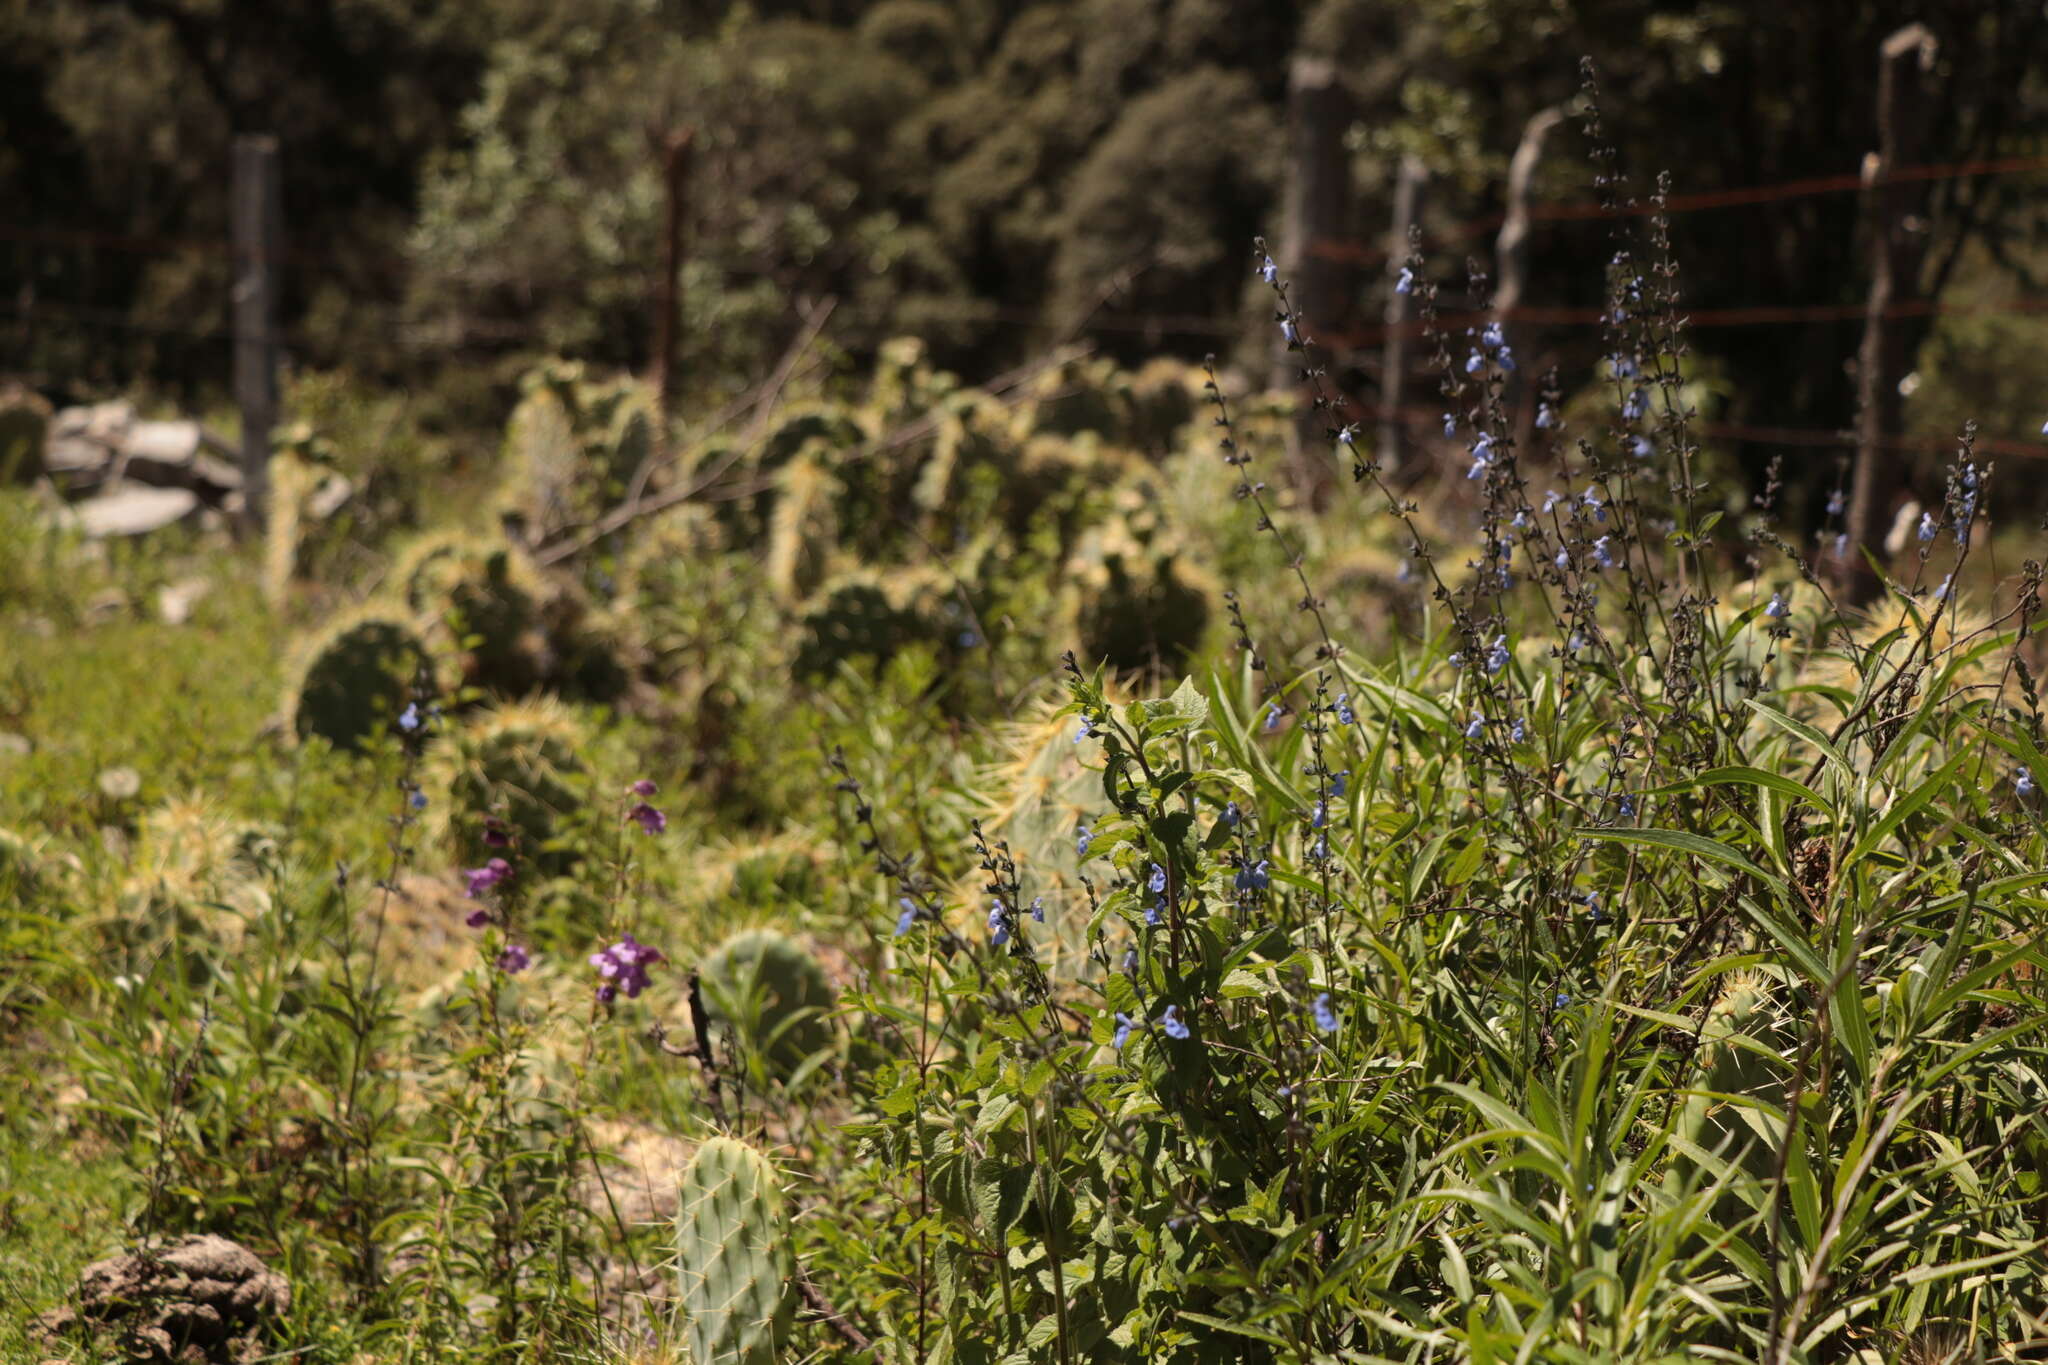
(648, 818)
(482, 879)
(515, 958)
(643, 788)
(624, 967)
(477, 919)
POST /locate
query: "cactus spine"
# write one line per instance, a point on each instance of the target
(734, 1259)
(764, 985)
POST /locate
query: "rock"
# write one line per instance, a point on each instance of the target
(174, 601)
(133, 510)
(205, 1299)
(77, 462)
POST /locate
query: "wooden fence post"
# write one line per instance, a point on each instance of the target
(258, 234)
(1409, 182)
(1898, 247)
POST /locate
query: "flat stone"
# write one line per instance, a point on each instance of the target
(76, 454)
(134, 510)
(164, 443)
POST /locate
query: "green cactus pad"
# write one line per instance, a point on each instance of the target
(765, 984)
(734, 1260)
(355, 676)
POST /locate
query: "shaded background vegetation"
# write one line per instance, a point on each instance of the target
(469, 188)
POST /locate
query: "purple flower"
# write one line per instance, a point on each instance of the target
(1835, 503)
(1152, 914)
(1474, 363)
(998, 923)
(1338, 782)
(495, 833)
(1520, 732)
(1130, 961)
(624, 967)
(1623, 366)
(515, 958)
(1493, 338)
(477, 919)
(1171, 1023)
(482, 879)
(643, 788)
(1231, 814)
(1326, 1018)
(1289, 332)
(650, 820)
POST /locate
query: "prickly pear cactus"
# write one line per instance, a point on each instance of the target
(483, 604)
(734, 1259)
(1139, 609)
(519, 765)
(764, 985)
(354, 676)
(1745, 1010)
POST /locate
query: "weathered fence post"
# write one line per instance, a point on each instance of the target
(1511, 250)
(257, 232)
(1898, 246)
(1317, 214)
(1408, 186)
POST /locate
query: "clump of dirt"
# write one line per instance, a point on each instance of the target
(201, 1301)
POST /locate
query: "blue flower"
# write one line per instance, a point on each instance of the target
(1635, 405)
(1564, 559)
(1321, 852)
(1086, 730)
(998, 923)
(1506, 359)
(1474, 363)
(1601, 554)
(1563, 1000)
(1124, 1025)
(1130, 959)
(417, 800)
(1157, 882)
(908, 917)
(1520, 732)
(1776, 608)
(1321, 816)
(1476, 727)
(1326, 1018)
(1941, 593)
(1626, 804)
(1842, 545)
(2024, 783)
(1171, 1023)
(1594, 914)
(1038, 908)
(1231, 814)
(409, 718)
(1928, 526)
(1551, 500)
(1405, 283)
(968, 639)
(1835, 503)
(1493, 338)
(1497, 654)
(1450, 425)
(1347, 435)
(1338, 783)
(1622, 366)
(1344, 712)
(1576, 643)
(1081, 838)
(1289, 332)
(1272, 717)
(1152, 913)
(1268, 272)
(1643, 447)
(1592, 503)
(1255, 876)
(1546, 417)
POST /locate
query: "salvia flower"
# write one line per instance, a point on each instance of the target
(1231, 814)
(1550, 500)
(1130, 962)
(514, 958)
(1563, 1000)
(1475, 727)
(1635, 405)
(1038, 908)
(1497, 654)
(1404, 283)
(1546, 417)
(908, 917)
(1272, 721)
(1289, 332)
(1320, 816)
(1835, 503)
(1563, 560)
(417, 799)
(1124, 1025)
(1170, 1023)
(1520, 732)
(1156, 883)
(1268, 272)
(1592, 503)
(1085, 730)
(1776, 608)
(409, 719)
(2024, 783)
(495, 833)
(482, 879)
(1152, 915)
(1928, 526)
(623, 967)
(1941, 593)
(1642, 447)
(1622, 366)
(1450, 425)
(1345, 716)
(1326, 1018)
(650, 820)
(999, 923)
(1602, 555)
(1493, 338)
(1082, 836)
(1338, 782)
(1474, 363)
(1255, 876)
(1347, 435)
